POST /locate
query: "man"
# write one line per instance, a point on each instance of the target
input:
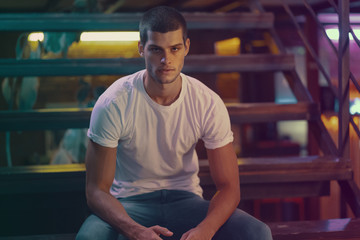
(141, 162)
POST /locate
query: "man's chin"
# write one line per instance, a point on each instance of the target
(166, 80)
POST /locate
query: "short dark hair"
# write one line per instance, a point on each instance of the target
(161, 19)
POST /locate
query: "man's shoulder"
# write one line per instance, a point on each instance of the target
(121, 88)
(199, 89)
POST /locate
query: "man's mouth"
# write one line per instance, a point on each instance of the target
(166, 70)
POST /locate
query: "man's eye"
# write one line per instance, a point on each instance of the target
(175, 49)
(155, 49)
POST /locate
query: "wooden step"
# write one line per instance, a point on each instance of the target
(127, 21)
(42, 119)
(271, 112)
(283, 176)
(42, 179)
(123, 66)
(319, 168)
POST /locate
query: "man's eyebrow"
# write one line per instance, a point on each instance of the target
(153, 45)
(177, 45)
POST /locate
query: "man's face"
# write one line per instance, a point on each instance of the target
(164, 55)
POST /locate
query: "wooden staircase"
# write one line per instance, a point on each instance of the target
(275, 177)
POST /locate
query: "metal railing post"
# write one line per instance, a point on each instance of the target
(343, 78)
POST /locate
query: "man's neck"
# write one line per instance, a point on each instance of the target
(163, 94)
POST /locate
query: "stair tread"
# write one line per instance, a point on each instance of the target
(80, 117)
(280, 163)
(127, 21)
(205, 63)
(247, 166)
(286, 169)
(267, 112)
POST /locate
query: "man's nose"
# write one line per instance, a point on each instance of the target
(165, 58)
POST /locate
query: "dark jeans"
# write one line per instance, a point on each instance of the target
(179, 211)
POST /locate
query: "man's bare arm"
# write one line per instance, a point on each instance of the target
(225, 174)
(100, 172)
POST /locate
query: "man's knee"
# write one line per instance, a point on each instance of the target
(82, 235)
(243, 226)
(263, 232)
(95, 228)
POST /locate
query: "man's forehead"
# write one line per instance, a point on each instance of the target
(171, 38)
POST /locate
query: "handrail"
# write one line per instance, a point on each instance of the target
(310, 49)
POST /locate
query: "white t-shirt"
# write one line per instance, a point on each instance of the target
(156, 143)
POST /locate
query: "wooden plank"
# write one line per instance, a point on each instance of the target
(283, 177)
(270, 112)
(281, 163)
(42, 119)
(284, 163)
(45, 119)
(330, 229)
(42, 179)
(70, 67)
(205, 63)
(127, 21)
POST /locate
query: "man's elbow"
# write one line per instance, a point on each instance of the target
(236, 194)
(93, 196)
(233, 191)
(90, 196)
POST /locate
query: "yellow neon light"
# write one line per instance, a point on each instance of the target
(95, 36)
(36, 36)
(109, 36)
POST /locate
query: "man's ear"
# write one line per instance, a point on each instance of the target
(187, 46)
(141, 49)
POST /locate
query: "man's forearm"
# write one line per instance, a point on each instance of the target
(111, 211)
(222, 205)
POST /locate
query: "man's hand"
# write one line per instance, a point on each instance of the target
(198, 233)
(152, 233)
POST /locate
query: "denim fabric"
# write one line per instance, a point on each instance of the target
(178, 211)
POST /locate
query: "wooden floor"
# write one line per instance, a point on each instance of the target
(333, 229)
(339, 229)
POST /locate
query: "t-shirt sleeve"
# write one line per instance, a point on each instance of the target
(105, 124)
(217, 128)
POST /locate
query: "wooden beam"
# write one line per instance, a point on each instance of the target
(205, 63)
(127, 21)
(351, 194)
